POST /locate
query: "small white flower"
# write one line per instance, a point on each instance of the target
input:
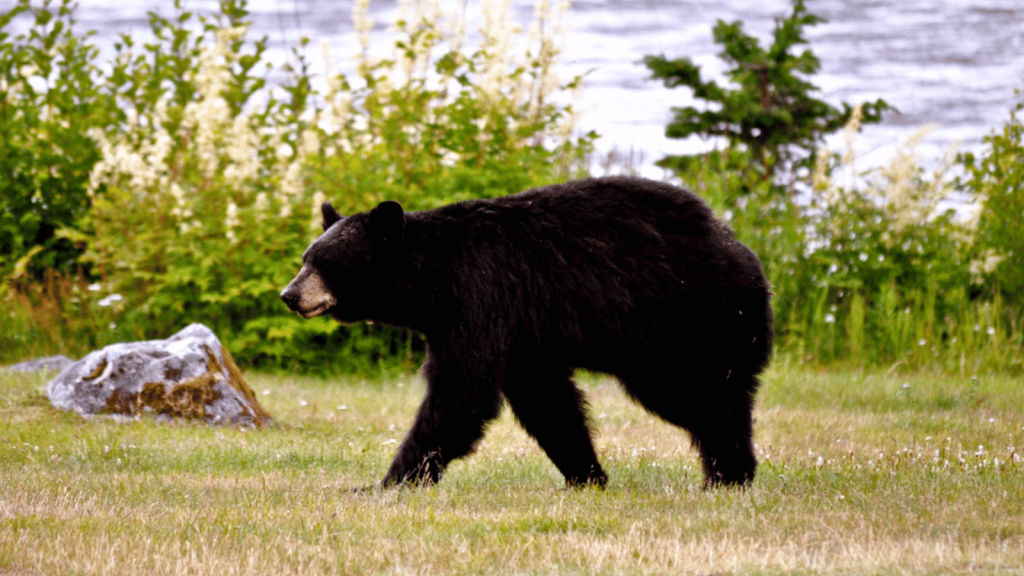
(922, 342)
(110, 300)
(991, 331)
(303, 403)
(266, 392)
(450, 159)
(96, 288)
(863, 257)
(829, 318)
(342, 407)
(977, 327)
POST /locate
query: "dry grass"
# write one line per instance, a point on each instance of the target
(860, 474)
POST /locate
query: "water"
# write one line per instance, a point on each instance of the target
(950, 63)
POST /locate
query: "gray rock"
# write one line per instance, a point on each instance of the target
(50, 363)
(189, 375)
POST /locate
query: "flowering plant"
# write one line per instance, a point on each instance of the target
(208, 192)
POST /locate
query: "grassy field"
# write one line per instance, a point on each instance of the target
(861, 473)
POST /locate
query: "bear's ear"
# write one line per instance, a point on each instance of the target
(387, 223)
(330, 215)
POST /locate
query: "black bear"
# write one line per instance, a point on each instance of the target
(619, 275)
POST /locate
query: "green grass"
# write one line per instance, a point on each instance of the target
(861, 472)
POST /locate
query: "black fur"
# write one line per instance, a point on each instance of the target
(619, 275)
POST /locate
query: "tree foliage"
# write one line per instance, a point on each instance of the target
(771, 117)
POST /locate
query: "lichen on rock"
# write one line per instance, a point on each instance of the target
(189, 375)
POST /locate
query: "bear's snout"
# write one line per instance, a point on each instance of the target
(307, 294)
(290, 297)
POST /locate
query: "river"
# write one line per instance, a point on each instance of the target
(953, 64)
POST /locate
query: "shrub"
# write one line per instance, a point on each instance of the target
(49, 98)
(209, 191)
(888, 265)
(998, 177)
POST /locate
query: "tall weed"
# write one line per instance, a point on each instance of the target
(892, 258)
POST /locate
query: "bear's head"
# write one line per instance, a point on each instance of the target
(348, 270)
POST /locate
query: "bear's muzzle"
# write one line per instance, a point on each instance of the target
(307, 294)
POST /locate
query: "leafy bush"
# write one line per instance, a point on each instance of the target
(210, 189)
(888, 261)
(49, 97)
(997, 176)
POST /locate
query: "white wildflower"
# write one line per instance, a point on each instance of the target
(262, 203)
(317, 219)
(987, 264)
(309, 144)
(850, 132)
(363, 22)
(242, 151)
(110, 300)
(819, 178)
(179, 197)
(449, 159)
(231, 222)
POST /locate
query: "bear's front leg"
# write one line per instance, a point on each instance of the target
(448, 425)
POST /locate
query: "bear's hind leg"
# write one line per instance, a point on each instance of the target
(719, 418)
(724, 437)
(553, 410)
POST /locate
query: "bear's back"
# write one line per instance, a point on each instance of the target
(615, 259)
